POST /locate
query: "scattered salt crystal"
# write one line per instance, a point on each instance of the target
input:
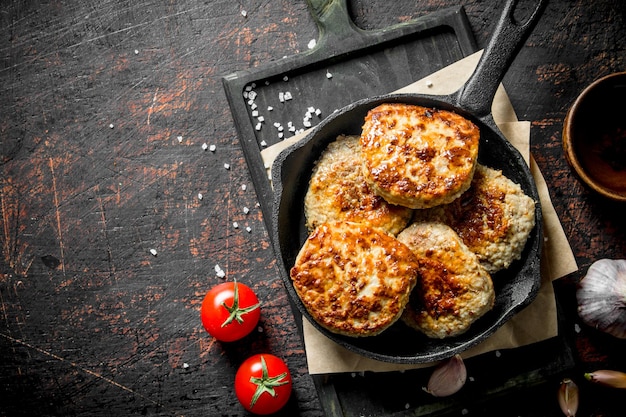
(270, 108)
(276, 124)
(136, 51)
(280, 128)
(258, 126)
(205, 146)
(577, 328)
(227, 166)
(243, 187)
(306, 123)
(253, 106)
(111, 126)
(288, 95)
(261, 119)
(246, 210)
(429, 83)
(311, 110)
(498, 354)
(318, 112)
(281, 97)
(250, 101)
(263, 143)
(285, 78)
(212, 148)
(219, 272)
(236, 225)
(252, 95)
(244, 13)
(281, 135)
(259, 329)
(329, 75)
(407, 406)
(312, 43)
(153, 252)
(200, 196)
(180, 139)
(248, 229)
(185, 365)
(255, 113)
(248, 88)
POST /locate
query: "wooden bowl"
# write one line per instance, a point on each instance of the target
(594, 136)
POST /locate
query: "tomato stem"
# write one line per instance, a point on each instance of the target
(236, 313)
(266, 383)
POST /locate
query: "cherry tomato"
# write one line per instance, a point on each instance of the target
(263, 384)
(230, 311)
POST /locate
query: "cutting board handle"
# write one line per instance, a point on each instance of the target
(476, 96)
(333, 21)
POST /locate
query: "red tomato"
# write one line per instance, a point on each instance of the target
(230, 311)
(263, 384)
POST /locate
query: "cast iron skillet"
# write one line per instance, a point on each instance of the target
(515, 287)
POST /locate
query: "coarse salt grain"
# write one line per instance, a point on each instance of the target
(219, 271)
(288, 95)
(244, 13)
(212, 148)
(136, 51)
(285, 78)
(153, 252)
(258, 126)
(205, 146)
(429, 83)
(312, 43)
(236, 225)
(180, 139)
(263, 143)
(227, 166)
(111, 126)
(270, 108)
(261, 119)
(243, 187)
(246, 210)
(248, 229)
(200, 196)
(329, 75)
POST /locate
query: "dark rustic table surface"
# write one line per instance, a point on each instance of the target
(104, 110)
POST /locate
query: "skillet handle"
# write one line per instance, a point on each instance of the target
(476, 96)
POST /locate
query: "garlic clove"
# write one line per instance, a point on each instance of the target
(606, 377)
(447, 378)
(568, 397)
(601, 297)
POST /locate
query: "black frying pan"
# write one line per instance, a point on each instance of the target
(515, 287)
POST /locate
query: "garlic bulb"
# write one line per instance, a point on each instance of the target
(601, 297)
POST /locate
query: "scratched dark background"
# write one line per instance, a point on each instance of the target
(104, 108)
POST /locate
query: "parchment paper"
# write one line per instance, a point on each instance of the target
(536, 322)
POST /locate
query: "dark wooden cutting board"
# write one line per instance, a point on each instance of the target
(346, 64)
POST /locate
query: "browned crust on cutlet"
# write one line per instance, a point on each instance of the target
(338, 191)
(493, 218)
(453, 291)
(418, 157)
(354, 279)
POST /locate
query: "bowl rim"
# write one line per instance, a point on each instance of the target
(568, 145)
